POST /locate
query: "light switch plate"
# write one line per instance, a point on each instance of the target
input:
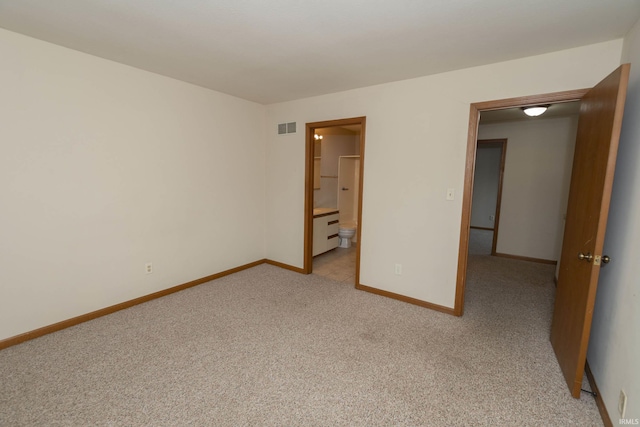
(450, 194)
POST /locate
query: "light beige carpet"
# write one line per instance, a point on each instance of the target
(480, 241)
(269, 347)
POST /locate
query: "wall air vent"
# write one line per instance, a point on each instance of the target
(284, 128)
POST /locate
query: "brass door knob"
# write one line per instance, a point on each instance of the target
(582, 257)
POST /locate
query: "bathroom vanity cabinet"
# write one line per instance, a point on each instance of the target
(325, 230)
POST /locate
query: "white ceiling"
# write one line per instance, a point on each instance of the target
(279, 50)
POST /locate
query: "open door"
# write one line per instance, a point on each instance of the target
(594, 162)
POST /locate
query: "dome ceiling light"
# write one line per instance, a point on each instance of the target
(535, 110)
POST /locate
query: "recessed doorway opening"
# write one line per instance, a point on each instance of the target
(594, 158)
(333, 198)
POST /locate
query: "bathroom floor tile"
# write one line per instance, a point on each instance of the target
(338, 264)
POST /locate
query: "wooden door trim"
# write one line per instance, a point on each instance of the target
(472, 137)
(503, 158)
(308, 192)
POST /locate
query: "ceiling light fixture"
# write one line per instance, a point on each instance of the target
(535, 110)
(317, 137)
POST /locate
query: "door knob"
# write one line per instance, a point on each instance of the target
(588, 257)
(605, 259)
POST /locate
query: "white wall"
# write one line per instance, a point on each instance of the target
(614, 348)
(103, 168)
(486, 180)
(535, 188)
(416, 139)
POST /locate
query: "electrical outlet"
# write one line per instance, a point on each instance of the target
(148, 268)
(622, 403)
(399, 269)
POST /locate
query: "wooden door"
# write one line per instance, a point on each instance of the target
(601, 111)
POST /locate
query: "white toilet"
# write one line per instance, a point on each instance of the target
(345, 233)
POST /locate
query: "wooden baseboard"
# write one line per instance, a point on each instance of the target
(604, 414)
(525, 258)
(285, 266)
(403, 298)
(8, 342)
(481, 228)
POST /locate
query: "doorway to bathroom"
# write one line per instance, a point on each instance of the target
(333, 198)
